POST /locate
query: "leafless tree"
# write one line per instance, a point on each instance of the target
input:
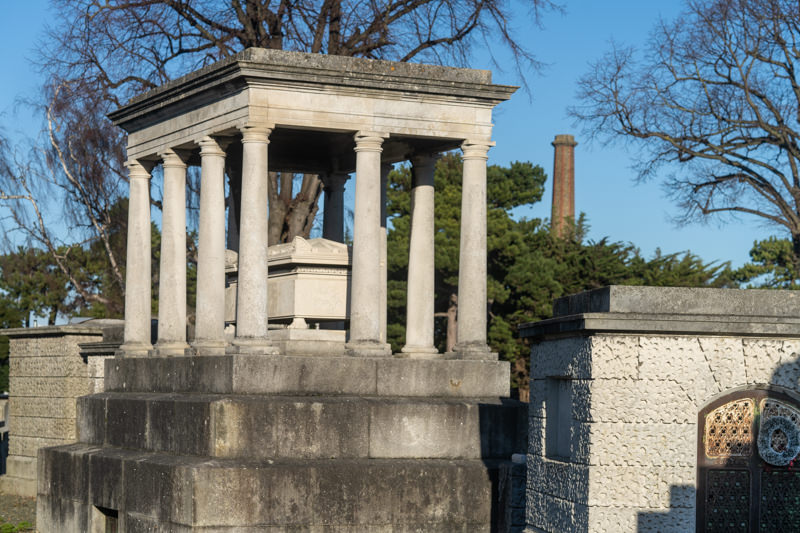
(70, 179)
(99, 53)
(122, 47)
(716, 98)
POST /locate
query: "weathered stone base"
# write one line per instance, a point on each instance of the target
(164, 492)
(264, 374)
(246, 443)
(324, 342)
(20, 477)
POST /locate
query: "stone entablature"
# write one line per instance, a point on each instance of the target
(312, 91)
(618, 379)
(266, 110)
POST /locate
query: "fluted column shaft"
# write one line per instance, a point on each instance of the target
(251, 304)
(136, 340)
(420, 288)
(365, 331)
(472, 299)
(172, 273)
(210, 308)
(333, 214)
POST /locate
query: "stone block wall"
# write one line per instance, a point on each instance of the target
(622, 404)
(48, 371)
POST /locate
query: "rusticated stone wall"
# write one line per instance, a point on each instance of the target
(627, 404)
(47, 373)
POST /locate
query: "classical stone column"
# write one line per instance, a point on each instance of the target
(172, 273)
(210, 309)
(385, 169)
(136, 340)
(420, 289)
(333, 214)
(472, 299)
(365, 289)
(251, 299)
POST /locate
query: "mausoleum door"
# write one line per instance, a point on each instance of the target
(748, 475)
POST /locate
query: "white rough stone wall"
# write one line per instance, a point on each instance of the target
(635, 401)
(47, 374)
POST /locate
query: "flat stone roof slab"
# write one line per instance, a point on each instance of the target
(672, 310)
(255, 66)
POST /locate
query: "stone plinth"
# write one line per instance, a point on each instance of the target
(620, 378)
(251, 436)
(48, 372)
(279, 443)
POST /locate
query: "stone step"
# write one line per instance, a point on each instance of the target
(280, 374)
(159, 492)
(307, 427)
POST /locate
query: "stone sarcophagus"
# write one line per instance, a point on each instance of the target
(308, 283)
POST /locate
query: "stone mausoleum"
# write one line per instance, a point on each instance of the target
(310, 429)
(666, 410)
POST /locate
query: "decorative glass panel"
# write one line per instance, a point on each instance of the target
(779, 508)
(727, 505)
(728, 429)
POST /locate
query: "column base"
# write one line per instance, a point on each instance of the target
(170, 349)
(252, 345)
(419, 352)
(134, 349)
(208, 347)
(472, 350)
(368, 349)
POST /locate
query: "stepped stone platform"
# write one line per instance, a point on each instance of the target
(264, 443)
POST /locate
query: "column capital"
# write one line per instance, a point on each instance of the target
(334, 181)
(423, 167)
(255, 133)
(213, 145)
(139, 169)
(173, 158)
(425, 160)
(476, 149)
(369, 141)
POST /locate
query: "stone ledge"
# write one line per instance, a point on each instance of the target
(450, 495)
(671, 310)
(298, 375)
(275, 427)
(89, 327)
(661, 324)
(681, 301)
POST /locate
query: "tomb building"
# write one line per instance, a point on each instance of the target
(264, 430)
(665, 409)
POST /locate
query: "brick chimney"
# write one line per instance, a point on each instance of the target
(563, 184)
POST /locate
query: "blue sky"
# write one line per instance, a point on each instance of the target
(615, 205)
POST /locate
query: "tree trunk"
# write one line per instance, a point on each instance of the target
(277, 209)
(290, 217)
